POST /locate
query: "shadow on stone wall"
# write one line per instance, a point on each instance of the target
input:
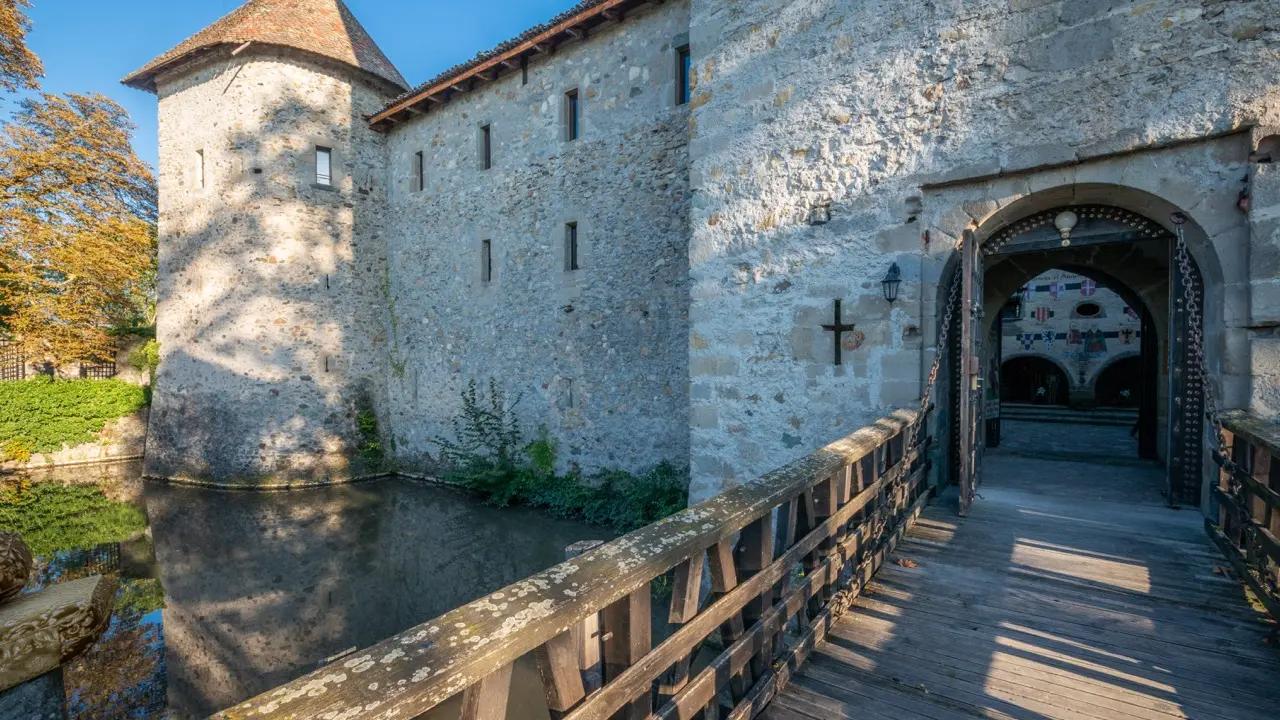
(271, 341)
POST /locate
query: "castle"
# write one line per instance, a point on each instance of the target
(635, 218)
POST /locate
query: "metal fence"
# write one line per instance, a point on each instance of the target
(13, 365)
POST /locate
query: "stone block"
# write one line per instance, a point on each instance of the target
(706, 417)
(898, 394)
(1071, 48)
(713, 366)
(1264, 301)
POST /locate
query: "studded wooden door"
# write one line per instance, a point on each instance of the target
(1186, 410)
(970, 381)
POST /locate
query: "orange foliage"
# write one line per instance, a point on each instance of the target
(19, 67)
(77, 227)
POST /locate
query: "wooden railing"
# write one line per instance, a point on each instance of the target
(787, 553)
(1248, 497)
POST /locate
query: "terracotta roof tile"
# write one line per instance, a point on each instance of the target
(322, 27)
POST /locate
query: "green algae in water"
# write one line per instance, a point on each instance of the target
(53, 516)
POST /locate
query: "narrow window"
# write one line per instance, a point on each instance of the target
(571, 246)
(524, 70)
(486, 261)
(684, 69)
(324, 169)
(486, 148)
(200, 169)
(419, 175)
(571, 115)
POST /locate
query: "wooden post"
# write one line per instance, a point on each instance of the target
(627, 639)
(487, 699)
(787, 516)
(586, 634)
(825, 505)
(561, 677)
(724, 577)
(756, 555)
(685, 591)
(1225, 521)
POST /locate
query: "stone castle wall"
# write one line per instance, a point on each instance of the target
(864, 103)
(824, 141)
(270, 320)
(597, 356)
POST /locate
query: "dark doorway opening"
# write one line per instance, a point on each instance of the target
(1030, 380)
(1119, 385)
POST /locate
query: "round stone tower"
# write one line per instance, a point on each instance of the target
(271, 309)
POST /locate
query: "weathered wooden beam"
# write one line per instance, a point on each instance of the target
(541, 39)
(1246, 527)
(602, 704)
(686, 590)
(757, 554)
(537, 609)
(769, 686)
(487, 699)
(561, 678)
(627, 640)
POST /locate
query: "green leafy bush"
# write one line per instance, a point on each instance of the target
(40, 415)
(370, 441)
(52, 516)
(489, 457)
(146, 358)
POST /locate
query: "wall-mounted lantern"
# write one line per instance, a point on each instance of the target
(1066, 222)
(891, 282)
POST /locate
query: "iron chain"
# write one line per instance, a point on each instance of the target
(1195, 339)
(943, 336)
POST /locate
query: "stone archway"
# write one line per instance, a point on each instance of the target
(1139, 267)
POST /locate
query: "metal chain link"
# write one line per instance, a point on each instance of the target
(1222, 455)
(1195, 338)
(881, 519)
(943, 337)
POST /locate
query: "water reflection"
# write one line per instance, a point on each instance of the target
(259, 588)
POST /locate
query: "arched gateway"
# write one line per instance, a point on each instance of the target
(1112, 234)
(1134, 255)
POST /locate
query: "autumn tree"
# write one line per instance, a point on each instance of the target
(77, 227)
(20, 69)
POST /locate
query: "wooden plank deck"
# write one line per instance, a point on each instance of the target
(1070, 592)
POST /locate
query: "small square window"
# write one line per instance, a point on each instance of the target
(486, 147)
(571, 115)
(571, 247)
(419, 173)
(200, 168)
(684, 73)
(486, 261)
(324, 166)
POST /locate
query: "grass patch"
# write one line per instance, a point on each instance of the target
(52, 516)
(41, 414)
(489, 457)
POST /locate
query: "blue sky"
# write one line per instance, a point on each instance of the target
(88, 45)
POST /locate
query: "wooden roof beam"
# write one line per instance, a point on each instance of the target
(542, 43)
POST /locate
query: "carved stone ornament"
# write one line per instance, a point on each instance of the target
(43, 630)
(15, 565)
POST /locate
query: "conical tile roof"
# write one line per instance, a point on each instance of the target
(323, 27)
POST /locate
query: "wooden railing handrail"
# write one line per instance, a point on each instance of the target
(1247, 525)
(471, 647)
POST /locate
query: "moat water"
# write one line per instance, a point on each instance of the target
(229, 594)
